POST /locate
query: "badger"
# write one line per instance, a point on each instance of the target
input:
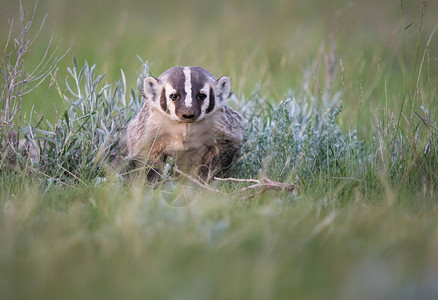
(185, 116)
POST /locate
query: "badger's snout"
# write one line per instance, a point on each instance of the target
(188, 116)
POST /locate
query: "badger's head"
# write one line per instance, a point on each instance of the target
(187, 94)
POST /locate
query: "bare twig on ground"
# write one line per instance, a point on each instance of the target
(263, 184)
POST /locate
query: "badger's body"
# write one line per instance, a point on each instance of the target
(185, 116)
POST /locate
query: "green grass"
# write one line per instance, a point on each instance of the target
(111, 242)
(363, 224)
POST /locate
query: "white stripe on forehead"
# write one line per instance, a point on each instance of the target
(188, 86)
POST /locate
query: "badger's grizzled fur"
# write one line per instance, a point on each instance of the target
(185, 116)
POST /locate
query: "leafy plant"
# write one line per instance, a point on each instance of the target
(86, 135)
(295, 138)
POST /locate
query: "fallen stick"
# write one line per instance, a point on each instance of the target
(265, 184)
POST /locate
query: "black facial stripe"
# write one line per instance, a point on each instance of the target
(163, 101)
(198, 80)
(211, 104)
(196, 90)
(176, 79)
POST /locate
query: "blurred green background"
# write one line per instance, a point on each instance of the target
(341, 238)
(281, 45)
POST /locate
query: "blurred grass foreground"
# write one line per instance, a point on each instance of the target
(341, 102)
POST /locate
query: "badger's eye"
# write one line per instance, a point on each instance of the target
(174, 97)
(202, 96)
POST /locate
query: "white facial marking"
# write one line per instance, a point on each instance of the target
(188, 86)
(170, 104)
(205, 90)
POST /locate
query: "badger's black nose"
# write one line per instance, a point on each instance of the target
(188, 117)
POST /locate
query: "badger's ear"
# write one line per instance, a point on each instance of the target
(223, 90)
(151, 89)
